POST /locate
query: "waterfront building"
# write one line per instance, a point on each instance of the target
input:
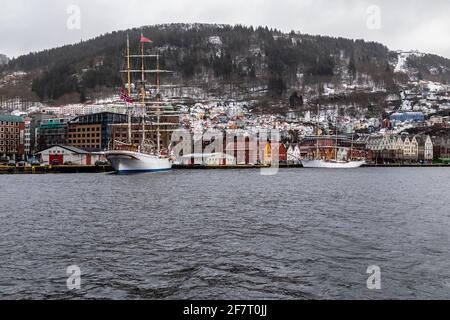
(208, 159)
(441, 148)
(411, 149)
(93, 132)
(280, 153)
(401, 148)
(12, 136)
(51, 132)
(247, 151)
(36, 121)
(294, 154)
(60, 155)
(27, 140)
(428, 149)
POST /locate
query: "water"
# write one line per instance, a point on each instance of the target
(302, 234)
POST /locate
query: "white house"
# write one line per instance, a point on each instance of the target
(294, 154)
(59, 155)
(208, 159)
(428, 149)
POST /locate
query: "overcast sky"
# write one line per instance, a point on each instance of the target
(30, 25)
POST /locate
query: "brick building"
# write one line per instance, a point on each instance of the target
(12, 137)
(93, 132)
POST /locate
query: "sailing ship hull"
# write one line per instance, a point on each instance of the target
(332, 164)
(135, 162)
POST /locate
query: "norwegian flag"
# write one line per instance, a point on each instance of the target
(145, 40)
(125, 97)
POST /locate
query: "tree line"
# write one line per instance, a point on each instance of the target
(282, 62)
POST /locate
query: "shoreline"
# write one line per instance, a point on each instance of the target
(108, 169)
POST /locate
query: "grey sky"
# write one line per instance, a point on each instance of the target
(30, 25)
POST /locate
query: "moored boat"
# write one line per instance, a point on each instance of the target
(331, 164)
(336, 162)
(127, 160)
(149, 156)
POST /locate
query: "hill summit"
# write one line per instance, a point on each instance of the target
(225, 61)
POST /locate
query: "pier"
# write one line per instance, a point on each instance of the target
(54, 169)
(105, 169)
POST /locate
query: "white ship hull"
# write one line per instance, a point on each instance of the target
(332, 164)
(135, 162)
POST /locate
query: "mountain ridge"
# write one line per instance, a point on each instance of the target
(228, 61)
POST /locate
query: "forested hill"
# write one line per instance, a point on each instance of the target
(216, 57)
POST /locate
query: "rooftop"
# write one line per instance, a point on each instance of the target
(10, 118)
(69, 148)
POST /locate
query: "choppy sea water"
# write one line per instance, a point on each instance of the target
(301, 234)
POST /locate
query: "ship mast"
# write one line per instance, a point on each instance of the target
(143, 94)
(158, 100)
(351, 149)
(336, 134)
(317, 133)
(129, 88)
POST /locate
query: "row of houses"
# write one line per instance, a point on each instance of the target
(238, 153)
(394, 148)
(20, 138)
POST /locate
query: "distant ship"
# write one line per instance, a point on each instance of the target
(335, 163)
(332, 164)
(146, 157)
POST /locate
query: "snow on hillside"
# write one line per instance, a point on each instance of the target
(403, 58)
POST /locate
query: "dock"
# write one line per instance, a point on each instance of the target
(105, 169)
(54, 169)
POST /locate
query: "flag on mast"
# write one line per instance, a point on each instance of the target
(125, 97)
(145, 40)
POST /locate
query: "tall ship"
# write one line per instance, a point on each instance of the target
(336, 160)
(140, 153)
